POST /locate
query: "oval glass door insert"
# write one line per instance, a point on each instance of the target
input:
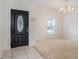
(20, 23)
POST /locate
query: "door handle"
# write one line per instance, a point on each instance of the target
(27, 29)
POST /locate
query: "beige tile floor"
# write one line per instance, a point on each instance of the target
(57, 49)
(22, 53)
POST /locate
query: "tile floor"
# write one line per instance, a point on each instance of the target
(22, 53)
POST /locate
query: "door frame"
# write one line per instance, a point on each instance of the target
(12, 23)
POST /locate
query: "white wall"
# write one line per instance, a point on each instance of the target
(14, 4)
(37, 20)
(0, 28)
(71, 24)
(42, 14)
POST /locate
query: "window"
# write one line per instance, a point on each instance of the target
(51, 25)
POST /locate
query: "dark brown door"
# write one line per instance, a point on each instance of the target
(19, 28)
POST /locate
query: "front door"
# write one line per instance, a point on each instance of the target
(19, 28)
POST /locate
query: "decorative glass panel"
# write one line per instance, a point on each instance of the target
(20, 23)
(51, 25)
